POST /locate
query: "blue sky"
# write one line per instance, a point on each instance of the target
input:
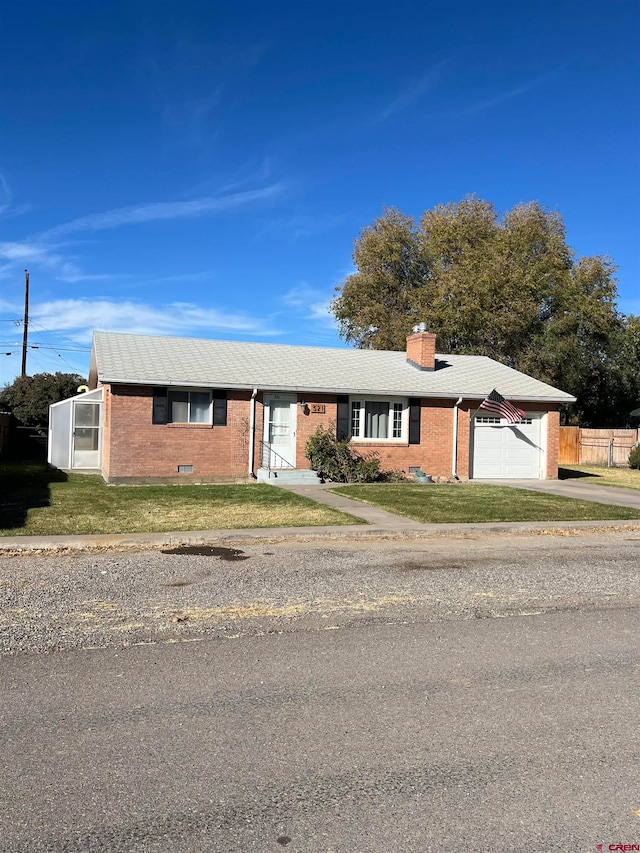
(202, 168)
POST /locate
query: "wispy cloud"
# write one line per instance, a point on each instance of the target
(310, 307)
(301, 225)
(191, 121)
(7, 208)
(48, 250)
(72, 274)
(413, 91)
(18, 254)
(5, 193)
(179, 278)
(309, 303)
(508, 95)
(14, 255)
(9, 307)
(168, 210)
(192, 83)
(77, 318)
(26, 252)
(59, 326)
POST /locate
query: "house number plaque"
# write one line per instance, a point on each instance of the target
(317, 408)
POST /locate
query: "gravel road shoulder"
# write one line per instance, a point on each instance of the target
(81, 600)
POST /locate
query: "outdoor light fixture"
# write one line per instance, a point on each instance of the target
(303, 407)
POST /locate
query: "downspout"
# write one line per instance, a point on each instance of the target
(454, 462)
(252, 430)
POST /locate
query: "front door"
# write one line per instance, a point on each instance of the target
(86, 435)
(280, 430)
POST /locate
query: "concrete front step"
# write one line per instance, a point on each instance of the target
(291, 476)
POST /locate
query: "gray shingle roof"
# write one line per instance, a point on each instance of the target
(191, 362)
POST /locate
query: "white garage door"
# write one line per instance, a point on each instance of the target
(501, 450)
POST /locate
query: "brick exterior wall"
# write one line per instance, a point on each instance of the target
(308, 423)
(135, 449)
(434, 454)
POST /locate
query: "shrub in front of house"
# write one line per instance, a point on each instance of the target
(336, 460)
(634, 457)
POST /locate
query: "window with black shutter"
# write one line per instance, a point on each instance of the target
(382, 419)
(343, 418)
(219, 408)
(182, 406)
(415, 408)
(160, 406)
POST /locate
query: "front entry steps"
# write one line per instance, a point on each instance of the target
(292, 476)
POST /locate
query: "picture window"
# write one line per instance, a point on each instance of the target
(189, 407)
(379, 420)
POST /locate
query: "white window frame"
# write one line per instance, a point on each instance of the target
(403, 438)
(189, 392)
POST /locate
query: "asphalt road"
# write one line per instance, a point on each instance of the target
(418, 727)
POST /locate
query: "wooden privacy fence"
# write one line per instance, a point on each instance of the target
(609, 447)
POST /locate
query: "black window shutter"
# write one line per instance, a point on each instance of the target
(343, 426)
(160, 406)
(219, 408)
(414, 421)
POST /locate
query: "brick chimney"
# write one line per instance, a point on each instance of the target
(421, 348)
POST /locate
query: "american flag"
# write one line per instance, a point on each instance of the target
(496, 403)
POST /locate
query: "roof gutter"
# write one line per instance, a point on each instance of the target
(454, 462)
(310, 389)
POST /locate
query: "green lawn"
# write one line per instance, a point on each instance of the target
(476, 503)
(35, 501)
(626, 478)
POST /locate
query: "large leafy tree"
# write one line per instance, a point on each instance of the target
(508, 287)
(579, 349)
(29, 397)
(626, 371)
(377, 303)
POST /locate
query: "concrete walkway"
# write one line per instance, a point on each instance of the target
(380, 518)
(380, 523)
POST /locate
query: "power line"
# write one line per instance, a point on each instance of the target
(45, 346)
(55, 358)
(32, 323)
(46, 349)
(74, 348)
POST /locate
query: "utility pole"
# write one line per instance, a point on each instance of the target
(25, 331)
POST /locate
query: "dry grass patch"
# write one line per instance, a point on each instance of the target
(623, 478)
(79, 504)
(262, 609)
